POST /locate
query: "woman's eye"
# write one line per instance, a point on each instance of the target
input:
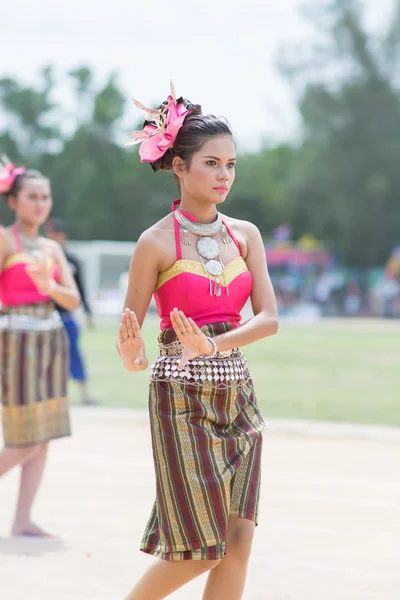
(211, 163)
(231, 165)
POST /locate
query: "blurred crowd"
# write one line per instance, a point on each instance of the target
(306, 276)
(336, 291)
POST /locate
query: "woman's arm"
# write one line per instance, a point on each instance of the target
(265, 320)
(65, 292)
(143, 273)
(3, 246)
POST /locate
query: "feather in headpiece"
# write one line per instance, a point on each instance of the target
(172, 87)
(137, 137)
(150, 113)
(161, 128)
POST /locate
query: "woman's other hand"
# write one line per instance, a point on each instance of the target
(193, 340)
(131, 343)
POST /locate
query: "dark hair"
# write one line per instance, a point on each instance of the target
(20, 180)
(196, 130)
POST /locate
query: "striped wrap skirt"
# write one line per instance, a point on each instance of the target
(34, 374)
(207, 439)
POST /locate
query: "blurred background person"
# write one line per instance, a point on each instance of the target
(56, 229)
(34, 347)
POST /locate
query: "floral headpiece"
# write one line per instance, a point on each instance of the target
(8, 174)
(155, 139)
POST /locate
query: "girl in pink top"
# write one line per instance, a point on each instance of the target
(206, 427)
(33, 346)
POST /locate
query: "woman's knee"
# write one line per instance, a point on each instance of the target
(213, 563)
(22, 452)
(203, 566)
(38, 449)
(240, 537)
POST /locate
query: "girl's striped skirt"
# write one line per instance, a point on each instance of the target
(207, 438)
(34, 375)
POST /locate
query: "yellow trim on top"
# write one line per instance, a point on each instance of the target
(231, 271)
(24, 259)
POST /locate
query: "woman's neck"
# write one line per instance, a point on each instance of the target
(30, 231)
(202, 213)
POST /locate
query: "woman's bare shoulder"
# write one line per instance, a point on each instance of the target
(7, 241)
(240, 225)
(159, 241)
(244, 231)
(50, 246)
(158, 233)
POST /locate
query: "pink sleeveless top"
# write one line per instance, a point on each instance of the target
(186, 285)
(16, 287)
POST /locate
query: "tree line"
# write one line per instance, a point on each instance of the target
(338, 181)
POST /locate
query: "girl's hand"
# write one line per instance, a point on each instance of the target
(131, 342)
(191, 337)
(41, 274)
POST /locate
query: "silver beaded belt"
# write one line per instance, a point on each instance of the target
(226, 369)
(21, 322)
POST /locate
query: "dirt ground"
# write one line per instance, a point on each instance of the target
(329, 527)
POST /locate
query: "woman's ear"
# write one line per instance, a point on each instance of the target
(178, 166)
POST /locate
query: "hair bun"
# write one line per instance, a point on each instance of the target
(165, 162)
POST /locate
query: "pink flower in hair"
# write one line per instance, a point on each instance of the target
(8, 174)
(156, 139)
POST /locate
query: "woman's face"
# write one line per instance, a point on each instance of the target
(212, 171)
(33, 202)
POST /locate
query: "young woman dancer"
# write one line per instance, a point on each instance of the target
(33, 343)
(206, 428)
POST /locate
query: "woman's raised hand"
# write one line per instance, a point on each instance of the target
(191, 337)
(41, 273)
(131, 343)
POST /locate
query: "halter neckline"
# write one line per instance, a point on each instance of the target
(175, 205)
(178, 248)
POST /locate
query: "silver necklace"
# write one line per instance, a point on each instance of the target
(207, 247)
(199, 228)
(32, 246)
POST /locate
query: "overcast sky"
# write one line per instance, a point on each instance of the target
(221, 54)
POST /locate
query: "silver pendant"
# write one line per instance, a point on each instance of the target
(185, 238)
(214, 267)
(207, 247)
(225, 237)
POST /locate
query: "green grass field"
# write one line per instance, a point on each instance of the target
(333, 370)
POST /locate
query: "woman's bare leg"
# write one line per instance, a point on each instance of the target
(12, 457)
(227, 580)
(167, 576)
(31, 477)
